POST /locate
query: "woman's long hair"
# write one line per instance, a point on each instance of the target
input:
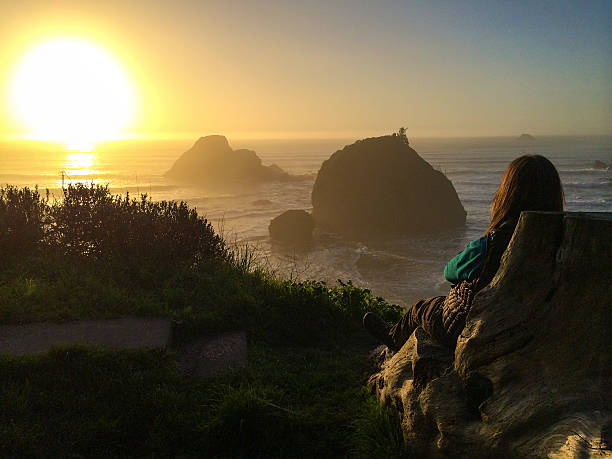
(530, 182)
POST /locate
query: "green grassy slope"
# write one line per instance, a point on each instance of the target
(95, 255)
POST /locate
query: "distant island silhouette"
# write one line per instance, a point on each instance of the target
(526, 137)
(212, 160)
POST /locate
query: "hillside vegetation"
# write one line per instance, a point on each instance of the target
(91, 254)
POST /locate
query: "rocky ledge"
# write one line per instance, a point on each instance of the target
(532, 372)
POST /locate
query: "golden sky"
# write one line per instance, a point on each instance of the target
(338, 68)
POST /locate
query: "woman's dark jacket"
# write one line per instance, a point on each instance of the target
(458, 302)
(443, 317)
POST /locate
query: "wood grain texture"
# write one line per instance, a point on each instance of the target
(532, 371)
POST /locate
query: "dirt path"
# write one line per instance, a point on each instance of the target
(204, 356)
(124, 333)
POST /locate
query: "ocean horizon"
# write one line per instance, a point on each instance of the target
(401, 270)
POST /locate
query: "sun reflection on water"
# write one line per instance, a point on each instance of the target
(79, 167)
(80, 163)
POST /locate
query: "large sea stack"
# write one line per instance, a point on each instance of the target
(380, 187)
(212, 160)
(532, 372)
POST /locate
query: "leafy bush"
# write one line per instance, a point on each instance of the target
(92, 222)
(128, 235)
(23, 220)
(356, 301)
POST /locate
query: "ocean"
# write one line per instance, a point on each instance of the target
(399, 270)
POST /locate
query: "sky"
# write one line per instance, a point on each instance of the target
(339, 68)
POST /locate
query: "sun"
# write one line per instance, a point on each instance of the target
(72, 91)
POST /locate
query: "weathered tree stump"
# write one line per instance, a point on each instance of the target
(532, 371)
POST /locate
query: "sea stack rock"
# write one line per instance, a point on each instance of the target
(380, 187)
(212, 160)
(532, 372)
(292, 227)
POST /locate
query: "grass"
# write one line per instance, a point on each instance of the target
(300, 393)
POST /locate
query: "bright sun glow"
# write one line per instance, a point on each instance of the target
(71, 91)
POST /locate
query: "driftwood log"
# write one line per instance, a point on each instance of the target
(531, 375)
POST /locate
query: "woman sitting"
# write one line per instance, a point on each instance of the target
(530, 182)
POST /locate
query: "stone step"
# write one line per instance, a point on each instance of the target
(206, 355)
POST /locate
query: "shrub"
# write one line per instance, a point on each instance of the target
(23, 220)
(130, 236)
(91, 222)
